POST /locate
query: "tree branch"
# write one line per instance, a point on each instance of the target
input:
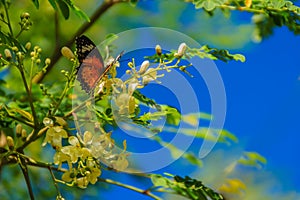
(141, 191)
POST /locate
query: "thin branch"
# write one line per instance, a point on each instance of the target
(57, 55)
(8, 21)
(21, 120)
(141, 191)
(28, 91)
(54, 182)
(26, 177)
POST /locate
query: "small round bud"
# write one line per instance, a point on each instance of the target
(128, 71)
(38, 61)
(32, 54)
(181, 49)
(63, 71)
(28, 45)
(144, 67)
(15, 49)
(36, 48)
(67, 52)
(47, 61)
(130, 64)
(20, 55)
(158, 50)
(7, 54)
(19, 130)
(10, 142)
(24, 134)
(25, 15)
(39, 50)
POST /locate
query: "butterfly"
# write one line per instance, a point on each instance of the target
(91, 69)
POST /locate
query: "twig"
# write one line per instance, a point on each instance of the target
(28, 91)
(141, 191)
(7, 17)
(26, 177)
(54, 182)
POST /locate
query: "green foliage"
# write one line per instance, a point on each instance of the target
(208, 5)
(252, 159)
(267, 13)
(187, 187)
(215, 54)
(64, 6)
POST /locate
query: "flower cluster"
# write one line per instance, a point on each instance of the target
(83, 154)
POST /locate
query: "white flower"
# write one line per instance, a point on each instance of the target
(144, 67)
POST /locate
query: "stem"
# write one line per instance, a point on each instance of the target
(141, 191)
(29, 95)
(61, 97)
(8, 21)
(26, 177)
(57, 55)
(80, 106)
(36, 134)
(54, 182)
(20, 32)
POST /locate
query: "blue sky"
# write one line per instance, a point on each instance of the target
(263, 101)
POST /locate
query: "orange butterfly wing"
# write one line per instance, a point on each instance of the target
(91, 64)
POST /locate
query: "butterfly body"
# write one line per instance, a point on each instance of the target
(91, 68)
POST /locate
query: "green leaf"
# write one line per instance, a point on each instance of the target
(252, 159)
(53, 4)
(23, 113)
(36, 3)
(208, 5)
(277, 3)
(7, 39)
(80, 13)
(172, 114)
(193, 159)
(142, 98)
(77, 10)
(159, 180)
(64, 8)
(214, 54)
(133, 2)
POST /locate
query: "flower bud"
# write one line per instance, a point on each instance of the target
(36, 48)
(181, 49)
(20, 55)
(67, 52)
(19, 130)
(47, 61)
(144, 67)
(38, 61)
(10, 142)
(128, 71)
(47, 121)
(7, 54)
(32, 54)
(61, 121)
(15, 49)
(158, 50)
(25, 15)
(24, 135)
(28, 45)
